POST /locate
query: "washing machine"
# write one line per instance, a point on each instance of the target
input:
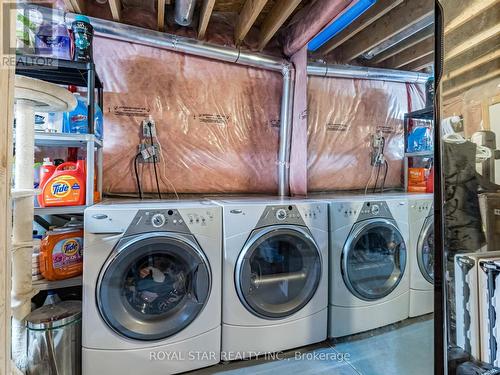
(275, 275)
(151, 287)
(369, 278)
(421, 250)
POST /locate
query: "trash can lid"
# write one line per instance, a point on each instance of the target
(54, 316)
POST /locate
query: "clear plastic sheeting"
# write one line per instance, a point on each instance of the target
(217, 124)
(343, 114)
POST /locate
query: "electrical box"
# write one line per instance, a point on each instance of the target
(149, 153)
(148, 128)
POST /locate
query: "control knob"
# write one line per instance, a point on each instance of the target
(158, 220)
(281, 214)
(375, 209)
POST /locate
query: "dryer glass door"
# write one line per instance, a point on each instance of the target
(153, 286)
(425, 250)
(374, 259)
(278, 271)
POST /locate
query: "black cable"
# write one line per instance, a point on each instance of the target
(376, 179)
(154, 160)
(137, 175)
(385, 176)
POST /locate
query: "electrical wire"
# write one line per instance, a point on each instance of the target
(154, 160)
(376, 179)
(137, 175)
(385, 176)
(164, 169)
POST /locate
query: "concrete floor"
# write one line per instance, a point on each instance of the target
(402, 348)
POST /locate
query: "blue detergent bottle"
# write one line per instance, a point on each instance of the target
(77, 122)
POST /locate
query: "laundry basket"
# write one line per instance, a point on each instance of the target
(489, 204)
(54, 339)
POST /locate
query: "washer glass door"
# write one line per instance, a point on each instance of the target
(425, 250)
(278, 271)
(153, 285)
(374, 259)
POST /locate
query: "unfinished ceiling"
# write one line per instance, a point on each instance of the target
(396, 34)
(472, 44)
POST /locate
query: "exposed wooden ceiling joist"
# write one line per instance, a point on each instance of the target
(116, 9)
(477, 39)
(246, 19)
(205, 13)
(161, 15)
(469, 84)
(467, 14)
(420, 63)
(275, 19)
(472, 78)
(375, 12)
(403, 16)
(404, 44)
(419, 50)
(472, 64)
(68, 4)
(79, 6)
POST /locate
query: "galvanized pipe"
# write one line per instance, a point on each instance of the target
(285, 131)
(184, 10)
(362, 72)
(118, 31)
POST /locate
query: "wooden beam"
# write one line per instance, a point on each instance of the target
(469, 13)
(404, 44)
(403, 16)
(375, 12)
(68, 4)
(275, 19)
(472, 64)
(419, 64)
(116, 9)
(6, 152)
(248, 15)
(78, 6)
(422, 49)
(206, 12)
(161, 15)
(469, 84)
(477, 39)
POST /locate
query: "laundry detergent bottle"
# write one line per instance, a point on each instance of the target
(66, 186)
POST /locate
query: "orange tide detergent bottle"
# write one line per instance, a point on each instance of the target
(65, 186)
(61, 252)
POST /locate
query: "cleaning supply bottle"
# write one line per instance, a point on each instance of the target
(76, 121)
(98, 122)
(61, 252)
(46, 171)
(66, 186)
(82, 33)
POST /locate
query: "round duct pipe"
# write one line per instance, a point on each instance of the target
(184, 10)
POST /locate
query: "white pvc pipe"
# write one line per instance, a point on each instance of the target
(22, 231)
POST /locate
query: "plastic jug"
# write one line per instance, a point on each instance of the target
(76, 121)
(53, 39)
(61, 252)
(65, 187)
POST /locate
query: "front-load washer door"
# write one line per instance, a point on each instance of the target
(153, 285)
(373, 259)
(425, 250)
(278, 271)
